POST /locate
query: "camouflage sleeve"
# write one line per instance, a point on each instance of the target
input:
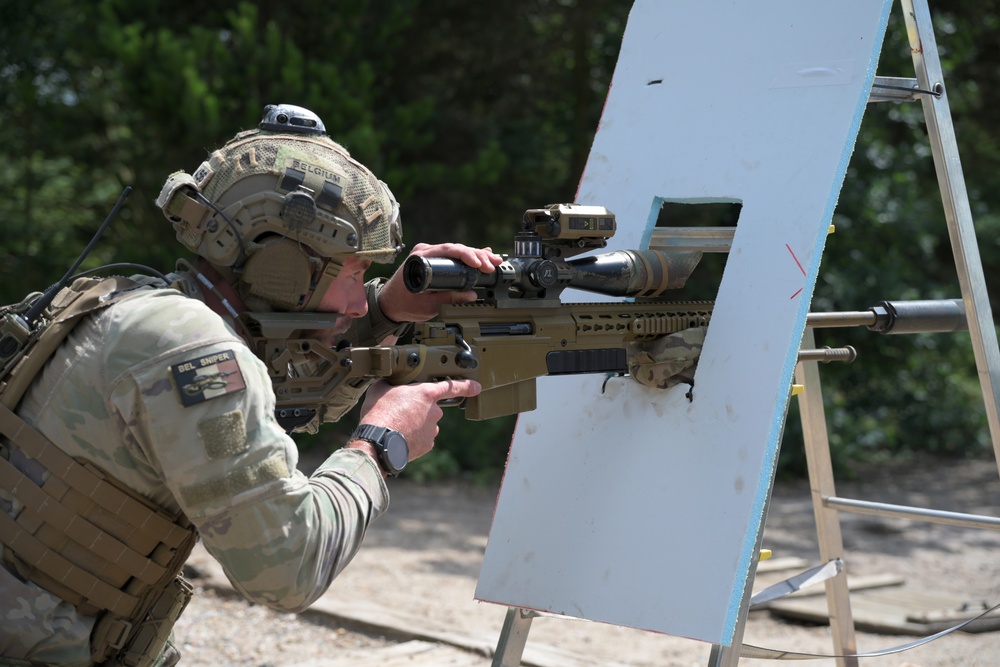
(666, 361)
(202, 414)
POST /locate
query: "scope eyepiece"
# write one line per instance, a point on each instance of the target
(440, 273)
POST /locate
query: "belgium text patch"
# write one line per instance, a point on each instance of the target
(208, 377)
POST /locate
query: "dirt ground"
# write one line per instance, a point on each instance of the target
(420, 562)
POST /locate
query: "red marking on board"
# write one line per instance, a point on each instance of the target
(799, 264)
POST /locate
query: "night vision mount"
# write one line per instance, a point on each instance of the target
(288, 118)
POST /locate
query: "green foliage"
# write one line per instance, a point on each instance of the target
(472, 112)
(479, 446)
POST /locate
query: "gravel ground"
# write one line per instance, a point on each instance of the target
(422, 558)
(220, 628)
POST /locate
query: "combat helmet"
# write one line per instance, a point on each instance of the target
(277, 209)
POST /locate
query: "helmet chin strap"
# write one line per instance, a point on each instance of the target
(329, 273)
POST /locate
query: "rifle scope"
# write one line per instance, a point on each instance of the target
(638, 273)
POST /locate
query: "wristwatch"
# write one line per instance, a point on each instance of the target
(393, 452)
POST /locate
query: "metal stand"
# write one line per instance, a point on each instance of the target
(513, 637)
(928, 86)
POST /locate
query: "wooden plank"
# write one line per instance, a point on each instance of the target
(399, 623)
(395, 623)
(964, 613)
(413, 653)
(781, 564)
(888, 610)
(853, 584)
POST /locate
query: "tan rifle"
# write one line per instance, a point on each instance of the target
(517, 331)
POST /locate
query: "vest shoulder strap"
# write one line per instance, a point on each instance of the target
(83, 296)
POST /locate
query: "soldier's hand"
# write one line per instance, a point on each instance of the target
(400, 305)
(412, 409)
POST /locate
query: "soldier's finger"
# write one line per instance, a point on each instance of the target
(456, 388)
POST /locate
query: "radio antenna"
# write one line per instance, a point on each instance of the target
(49, 294)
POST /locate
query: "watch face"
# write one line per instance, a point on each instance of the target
(396, 451)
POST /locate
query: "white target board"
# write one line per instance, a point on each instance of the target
(640, 507)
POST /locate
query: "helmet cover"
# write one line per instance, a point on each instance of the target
(276, 212)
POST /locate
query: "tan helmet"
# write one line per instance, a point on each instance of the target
(277, 209)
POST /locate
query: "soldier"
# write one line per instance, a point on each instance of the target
(160, 406)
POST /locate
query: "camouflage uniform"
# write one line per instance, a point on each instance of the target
(111, 395)
(666, 361)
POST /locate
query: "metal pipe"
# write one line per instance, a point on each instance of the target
(915, 513)
(513, 637)
(828, 354)
(856, 318)
(899, 317)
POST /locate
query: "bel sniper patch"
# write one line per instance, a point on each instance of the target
(207, 377)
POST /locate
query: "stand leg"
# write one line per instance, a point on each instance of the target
(957, 211)
(513, 637)
(729, 656)
(831, 545)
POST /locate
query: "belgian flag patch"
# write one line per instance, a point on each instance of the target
(207, 377)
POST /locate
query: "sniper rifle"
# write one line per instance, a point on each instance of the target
(516, 331)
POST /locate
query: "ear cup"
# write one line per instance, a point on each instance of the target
(279, 273)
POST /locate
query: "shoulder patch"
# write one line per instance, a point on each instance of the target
(210, 376)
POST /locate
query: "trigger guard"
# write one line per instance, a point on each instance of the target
(456, 402)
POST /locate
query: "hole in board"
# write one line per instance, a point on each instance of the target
(715, 221)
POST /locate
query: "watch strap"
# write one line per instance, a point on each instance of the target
(376, 435)
(372, 434)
